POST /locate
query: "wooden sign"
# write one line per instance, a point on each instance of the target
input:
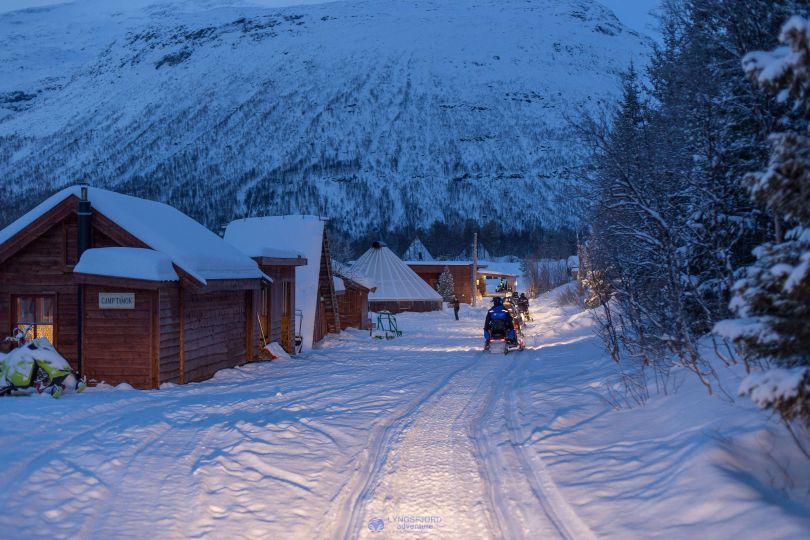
(116, 300)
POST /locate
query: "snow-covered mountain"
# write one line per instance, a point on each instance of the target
(376, 113)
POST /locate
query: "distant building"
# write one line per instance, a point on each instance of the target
(462, 272)
(417, 252)
(398, 287)
(353, 301)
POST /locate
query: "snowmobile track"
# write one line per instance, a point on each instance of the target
(356, 493)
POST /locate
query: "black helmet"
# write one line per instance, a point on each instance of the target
(497, 301)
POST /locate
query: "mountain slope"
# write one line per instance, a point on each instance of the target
(377, 114)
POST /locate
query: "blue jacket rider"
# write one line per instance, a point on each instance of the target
(500, 322)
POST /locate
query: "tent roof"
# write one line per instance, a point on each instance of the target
(415, 249)
(394, 279)
(190, 245)
(302, 235)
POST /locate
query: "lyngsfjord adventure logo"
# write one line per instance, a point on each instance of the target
(406, 523)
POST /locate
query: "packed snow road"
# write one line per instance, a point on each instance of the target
(401, 431)
(423, 436)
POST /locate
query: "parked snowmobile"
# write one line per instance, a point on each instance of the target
(36, 366)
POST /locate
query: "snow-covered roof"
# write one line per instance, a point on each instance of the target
(394, 279)
(125, 262)
(274, 253)
(191, 246)
(573, 262)
(345, 271)
(417, 252)
(340, 287)
(299, 234)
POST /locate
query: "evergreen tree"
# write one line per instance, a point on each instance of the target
(446, 287)
(773, 299)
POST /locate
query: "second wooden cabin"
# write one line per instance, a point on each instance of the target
(304, 236)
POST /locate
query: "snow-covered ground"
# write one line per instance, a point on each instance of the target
(420, 431)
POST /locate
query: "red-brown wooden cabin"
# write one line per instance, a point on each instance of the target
(129, 290)
(462, 272)
(353, 299)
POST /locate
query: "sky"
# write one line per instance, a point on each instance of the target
(636, 14)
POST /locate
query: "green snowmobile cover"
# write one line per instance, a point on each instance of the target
(20, 365)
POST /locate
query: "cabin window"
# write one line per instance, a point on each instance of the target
(37, 315)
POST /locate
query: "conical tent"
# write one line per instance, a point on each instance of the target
(398, 287)
(417, 252)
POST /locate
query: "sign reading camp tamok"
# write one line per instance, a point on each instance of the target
(116, 300)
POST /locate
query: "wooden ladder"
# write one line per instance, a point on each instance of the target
(332, 312)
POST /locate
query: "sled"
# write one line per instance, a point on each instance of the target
(386, 326)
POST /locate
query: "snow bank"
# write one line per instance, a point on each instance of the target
(133, 263)
(277, 351)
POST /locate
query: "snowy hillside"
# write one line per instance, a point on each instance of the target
(386, 111)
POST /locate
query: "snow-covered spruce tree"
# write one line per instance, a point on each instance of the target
(446, 287)
(772, 301)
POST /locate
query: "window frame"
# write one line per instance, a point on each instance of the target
(14, 324)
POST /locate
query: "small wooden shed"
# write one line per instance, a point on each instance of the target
(128, 290)
(353, 302)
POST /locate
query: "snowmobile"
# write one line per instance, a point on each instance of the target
(503, 341)
(35, 366)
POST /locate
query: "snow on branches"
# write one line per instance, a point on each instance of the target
(772, 300)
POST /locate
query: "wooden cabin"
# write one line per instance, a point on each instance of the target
(315, 297)
(353, 300)
(488, 279)
(462, 272)
(128, 290)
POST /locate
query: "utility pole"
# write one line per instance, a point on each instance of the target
(475, 270)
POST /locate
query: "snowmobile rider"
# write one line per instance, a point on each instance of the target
(523, 302)
(498, 322)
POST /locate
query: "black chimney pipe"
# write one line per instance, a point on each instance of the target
(83, 214)
(83, 217)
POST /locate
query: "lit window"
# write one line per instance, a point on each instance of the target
(35, 313)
